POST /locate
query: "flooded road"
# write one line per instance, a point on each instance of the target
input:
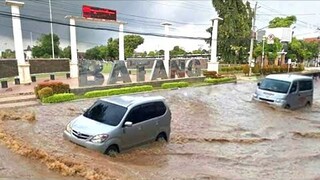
(217, 132)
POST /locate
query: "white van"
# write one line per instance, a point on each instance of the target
(286, 90)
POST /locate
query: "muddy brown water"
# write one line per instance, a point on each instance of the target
(217, 133)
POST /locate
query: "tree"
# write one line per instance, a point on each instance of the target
(66, 52)
(300, 50)
(97, 53)
(152, 54)
(161, 52)
(177, 51)
(44, 48)
(131, 42)
(198, 51)
(270, 50)
(235, 28)
(282, 22)
(8, 54)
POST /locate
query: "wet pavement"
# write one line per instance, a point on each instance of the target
(217, 133)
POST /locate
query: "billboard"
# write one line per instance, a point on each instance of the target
(99, 13)
(284, 34)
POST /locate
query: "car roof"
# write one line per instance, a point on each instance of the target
(126, 101)
(288, 77)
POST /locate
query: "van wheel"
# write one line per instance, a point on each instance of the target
(112, 150)
(287, 106)
(308, 105)
(162, 137)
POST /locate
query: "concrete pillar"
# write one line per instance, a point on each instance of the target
(23, 67)
(213, 64)
(74, 69)
(167, 49)
(121, 43)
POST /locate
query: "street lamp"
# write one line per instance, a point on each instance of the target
(52, 45)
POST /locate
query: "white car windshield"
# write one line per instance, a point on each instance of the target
(275, 85)
(105, 112)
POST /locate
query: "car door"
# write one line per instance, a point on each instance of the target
(292, 97)
(305, 92)
(151, 121)
(133, 135)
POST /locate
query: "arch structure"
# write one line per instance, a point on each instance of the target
(74, 64)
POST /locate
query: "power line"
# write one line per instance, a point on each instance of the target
(2, 13)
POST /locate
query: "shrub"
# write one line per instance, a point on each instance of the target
(45, 92)
(174, 85)
(125, 90)
(246, 69)
(57, 87)
(56, 98)
(217, 81)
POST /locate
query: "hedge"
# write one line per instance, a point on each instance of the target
(220, 80)
(110, 92)
(57, 87)
(174, 85)
(56, 98)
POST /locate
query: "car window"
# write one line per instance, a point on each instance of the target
(134, 115)
(105, 112)
(145, 112)
(294, 87)
(305, 85)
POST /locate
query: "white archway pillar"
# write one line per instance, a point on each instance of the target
(121, 43)
(23, 66)
(74, 69)
(213, 64)
(166, 48)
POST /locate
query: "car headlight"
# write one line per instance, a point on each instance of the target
(279, 100)
(99, 138)
(68, 128)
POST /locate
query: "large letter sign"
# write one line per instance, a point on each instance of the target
(158, 70)
(119, 67)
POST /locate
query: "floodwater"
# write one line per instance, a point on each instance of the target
(217, 133)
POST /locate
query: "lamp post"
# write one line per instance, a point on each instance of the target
(52, 45)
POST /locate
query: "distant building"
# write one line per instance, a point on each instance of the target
(313, 39)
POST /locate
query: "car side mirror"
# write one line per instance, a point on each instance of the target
(84, 110)
(128, 124)
(258, 84)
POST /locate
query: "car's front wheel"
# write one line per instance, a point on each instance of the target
(112, 150)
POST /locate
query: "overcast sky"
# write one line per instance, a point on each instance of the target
(188, 18)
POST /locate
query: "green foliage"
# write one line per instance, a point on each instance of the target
(56, 98)
(45, 92)
(44, 47)
(66, 52)
(125, 90)
(282, 22)
(177, 51)
(8, 54)
(174, 85)
(111, 50)
(152, 54)
(219, 80)
(270, 50)
(234, 30)
(231, 69)
(57, 87)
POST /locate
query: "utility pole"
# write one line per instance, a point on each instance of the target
(253, 31)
